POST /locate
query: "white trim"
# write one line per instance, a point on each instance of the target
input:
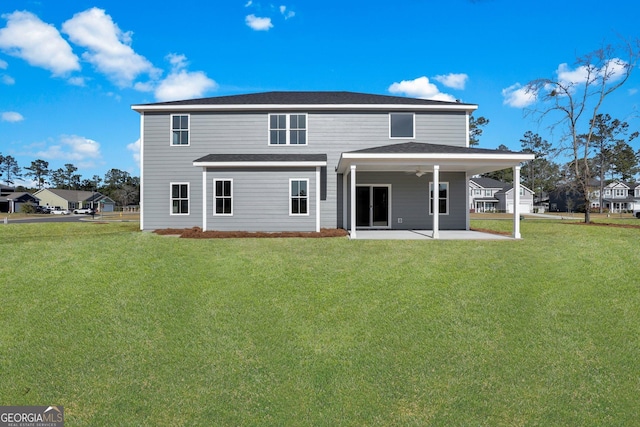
(288, 129)
(171, 184)
(204, 199)
(171, 144)
(467, 128)
(291, 197)
(307, 107)
(516, 202)
(215, 196)
(345, 190)
(318, 191)
(436, 206)
(448, 197)
(413, 123)
(260, 164)
(389, 206)
(438, 156)
(142, 171)
(352, 174)
(468, 199)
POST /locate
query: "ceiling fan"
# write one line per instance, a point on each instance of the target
(418, 172)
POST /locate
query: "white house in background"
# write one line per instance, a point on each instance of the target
(490, 195)
(621, 196)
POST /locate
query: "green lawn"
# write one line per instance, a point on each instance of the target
(129, 328)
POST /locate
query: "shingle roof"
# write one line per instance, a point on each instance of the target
(225, 158)
(308, 98)
(423, 148)
(489, 182)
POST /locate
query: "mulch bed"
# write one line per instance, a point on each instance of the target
(197, 233)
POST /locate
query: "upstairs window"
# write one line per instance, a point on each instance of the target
(287, 129)
(180, 129)
(401, 125)
(620, 192)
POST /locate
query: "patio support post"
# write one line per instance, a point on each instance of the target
(318, 175)
(353, 201)
(345, 201)
(436, 201)
(516, 202)
(204, 199)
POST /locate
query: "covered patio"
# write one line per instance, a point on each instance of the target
(428, 235)
(421, 159)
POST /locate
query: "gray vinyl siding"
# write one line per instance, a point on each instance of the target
(330, 133)
(410, 199)
(261, 200)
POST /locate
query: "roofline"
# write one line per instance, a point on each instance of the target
(143, 108)
(260, 164)
(436, 156)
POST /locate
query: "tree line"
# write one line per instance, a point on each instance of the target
(117, 184)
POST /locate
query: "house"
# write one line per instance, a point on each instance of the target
(491, 195)
(12, 201)
(74, 199)
(617, 196)
(621, 197)
(302, 161)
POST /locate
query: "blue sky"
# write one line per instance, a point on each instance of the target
(70, 70)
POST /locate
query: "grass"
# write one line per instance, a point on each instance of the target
(129, 328)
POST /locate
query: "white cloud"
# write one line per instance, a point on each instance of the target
(134, 147)
(518, 96)
(258, 24)
(420, 88)
(3, 65)
(182, 84)
(77, 81)
(249, 3)
(452, 80)
(108, 47)
(11, 117)
(614, 69)
(38, 43)
(83, 152)
(287, 15)
(7, 79)
(633, 91)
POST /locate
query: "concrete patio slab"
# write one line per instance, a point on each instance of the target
(426, 234)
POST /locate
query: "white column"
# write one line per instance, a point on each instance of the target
(204, 199)
(345, 189)
(468, 215)
(353, 201)
(516, 202)
(436, 201)
(141, 172)
(318, 199)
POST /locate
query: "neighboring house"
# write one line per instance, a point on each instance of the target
(621, 196)
(5, 191)
(490, 195)
(302, 161)
(17, 199)
(618, 196)
(74, 199)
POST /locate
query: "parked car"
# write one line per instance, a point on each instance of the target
(87, 211)
(42, 209)
(59, 211)
(636, 213)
